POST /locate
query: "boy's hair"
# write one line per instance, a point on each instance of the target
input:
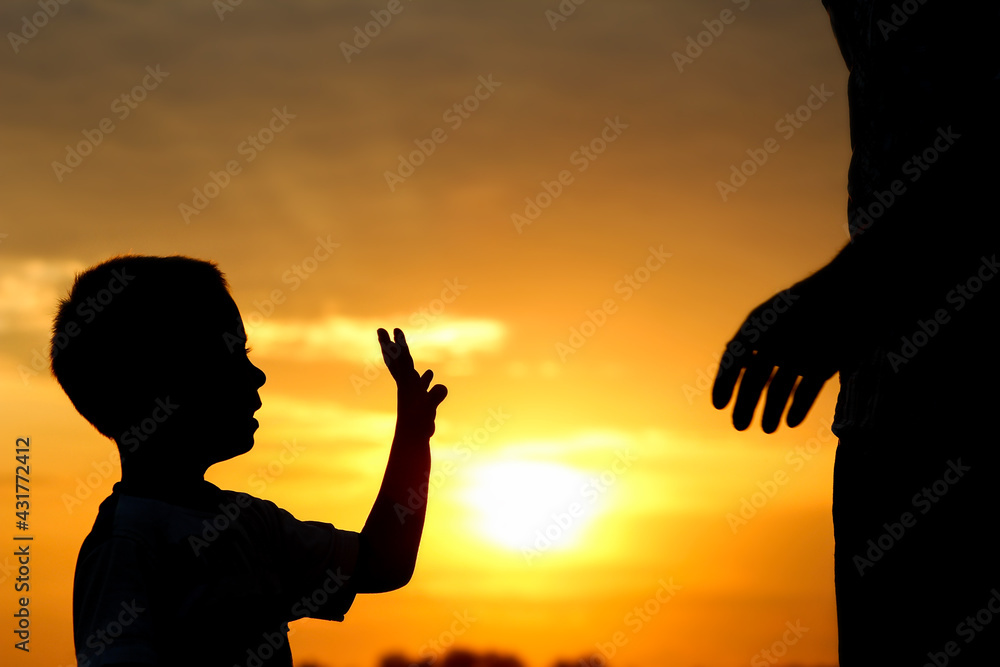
(128, 328)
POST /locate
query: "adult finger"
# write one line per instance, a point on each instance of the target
(751, 385)
(805, 395)
(778, 392)
(725, 379)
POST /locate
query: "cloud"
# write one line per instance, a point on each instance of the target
(351, 339)
(30, 290)
(325, 420)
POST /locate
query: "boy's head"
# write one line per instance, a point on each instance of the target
(152, 351)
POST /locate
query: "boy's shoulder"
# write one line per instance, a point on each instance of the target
(198, 517)
(217, 525)
(136, 515)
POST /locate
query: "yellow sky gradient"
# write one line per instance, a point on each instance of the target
(592, 332)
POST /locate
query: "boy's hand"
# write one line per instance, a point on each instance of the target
(417, 400)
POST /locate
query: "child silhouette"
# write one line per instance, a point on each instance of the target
(152, 352)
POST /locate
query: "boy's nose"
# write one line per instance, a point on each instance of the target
(258, 376)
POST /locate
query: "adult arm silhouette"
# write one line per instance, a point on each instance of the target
(922, 129)
(788, 345)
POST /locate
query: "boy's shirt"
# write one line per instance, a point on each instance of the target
(212, 578)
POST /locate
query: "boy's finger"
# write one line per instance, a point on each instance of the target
(426, 378)
(403, 350)
(383, 340)
(384, 344)
(400, 339)
(390, 351)
(437, 394)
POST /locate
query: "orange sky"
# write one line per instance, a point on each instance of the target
(288, 146)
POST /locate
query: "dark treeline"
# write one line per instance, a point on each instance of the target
(467, 658)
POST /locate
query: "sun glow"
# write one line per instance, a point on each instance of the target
(531, 505)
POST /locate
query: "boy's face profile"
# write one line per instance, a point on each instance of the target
(217, 387)
(162, 367)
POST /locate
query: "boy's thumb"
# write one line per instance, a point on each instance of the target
(437, 394)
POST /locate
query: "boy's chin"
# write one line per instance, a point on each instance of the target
(235, 446)
(232, 451)
(243, 446)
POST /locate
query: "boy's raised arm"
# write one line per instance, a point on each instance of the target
(391, 535)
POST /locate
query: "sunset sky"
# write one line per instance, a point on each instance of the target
(536, 202)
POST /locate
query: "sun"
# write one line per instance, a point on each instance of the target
(531, 505)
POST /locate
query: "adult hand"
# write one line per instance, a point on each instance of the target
(789, 345)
